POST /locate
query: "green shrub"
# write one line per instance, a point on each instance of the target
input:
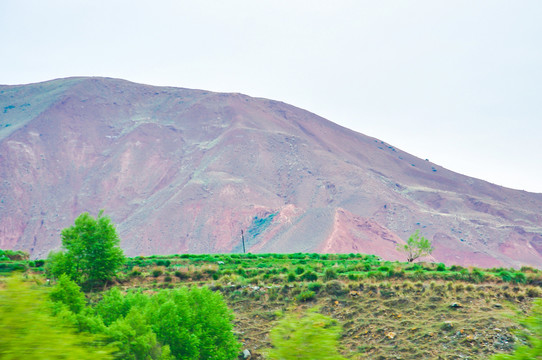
(156, 272)
(309, 276)
(305, 296)
(299, 270)
(315, 286)
(39, 263)
(330, 274)
(67, 292)
(519, 278)
(307, 336)
(181, 274)
(163, 262)
(441, 267)
(505, 276)
(477, 275)
(335, 288)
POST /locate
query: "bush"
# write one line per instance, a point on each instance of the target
(305, 296)
(519, 278)
(156, 272)
(505, 276)
(335, 288)
(315, 286)
(477, 276)
(309, 276)
(307, 336)
(201, 322)
(330, 274)
(68, 293)
(181, 274)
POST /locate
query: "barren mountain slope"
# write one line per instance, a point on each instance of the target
(186, 170)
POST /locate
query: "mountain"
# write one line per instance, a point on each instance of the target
(182, 170)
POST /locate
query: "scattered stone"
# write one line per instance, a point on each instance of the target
(220, 263)
(456, 305)
(390, 334)
(497, 306)
(246, 354)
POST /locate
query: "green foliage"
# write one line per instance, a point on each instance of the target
(114, 305)
(315, 286)
(305, 296)
(416, 247)
(505, 276)
(195, 323)
(68, 293)
(335, 288)
(330, 274)
(92, 254)
(532, 334)
(29, 331)
(177, 324)
(13, 255)
(156, 272)
(310, 336)
(134, 338)
(309, 276)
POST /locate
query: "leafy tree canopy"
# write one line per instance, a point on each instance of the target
(416, 246)
(91, 254)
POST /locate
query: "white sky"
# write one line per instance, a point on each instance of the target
(458, 82)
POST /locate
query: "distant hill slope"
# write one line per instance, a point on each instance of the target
(186, 170)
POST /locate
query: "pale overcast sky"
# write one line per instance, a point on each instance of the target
(457, 82)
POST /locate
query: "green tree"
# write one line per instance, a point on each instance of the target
(416, 247)
(29, 331)
(195, 323)
(532, 334)
(91, 254)
(310, 336)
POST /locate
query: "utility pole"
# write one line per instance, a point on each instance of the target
(243, 238)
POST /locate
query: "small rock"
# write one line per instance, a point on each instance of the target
(456, 305)
(220, 263)
(497, 306)
(448, 325)
(391, 335)
(246, 354)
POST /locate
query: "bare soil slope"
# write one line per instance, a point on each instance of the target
(186, 170)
